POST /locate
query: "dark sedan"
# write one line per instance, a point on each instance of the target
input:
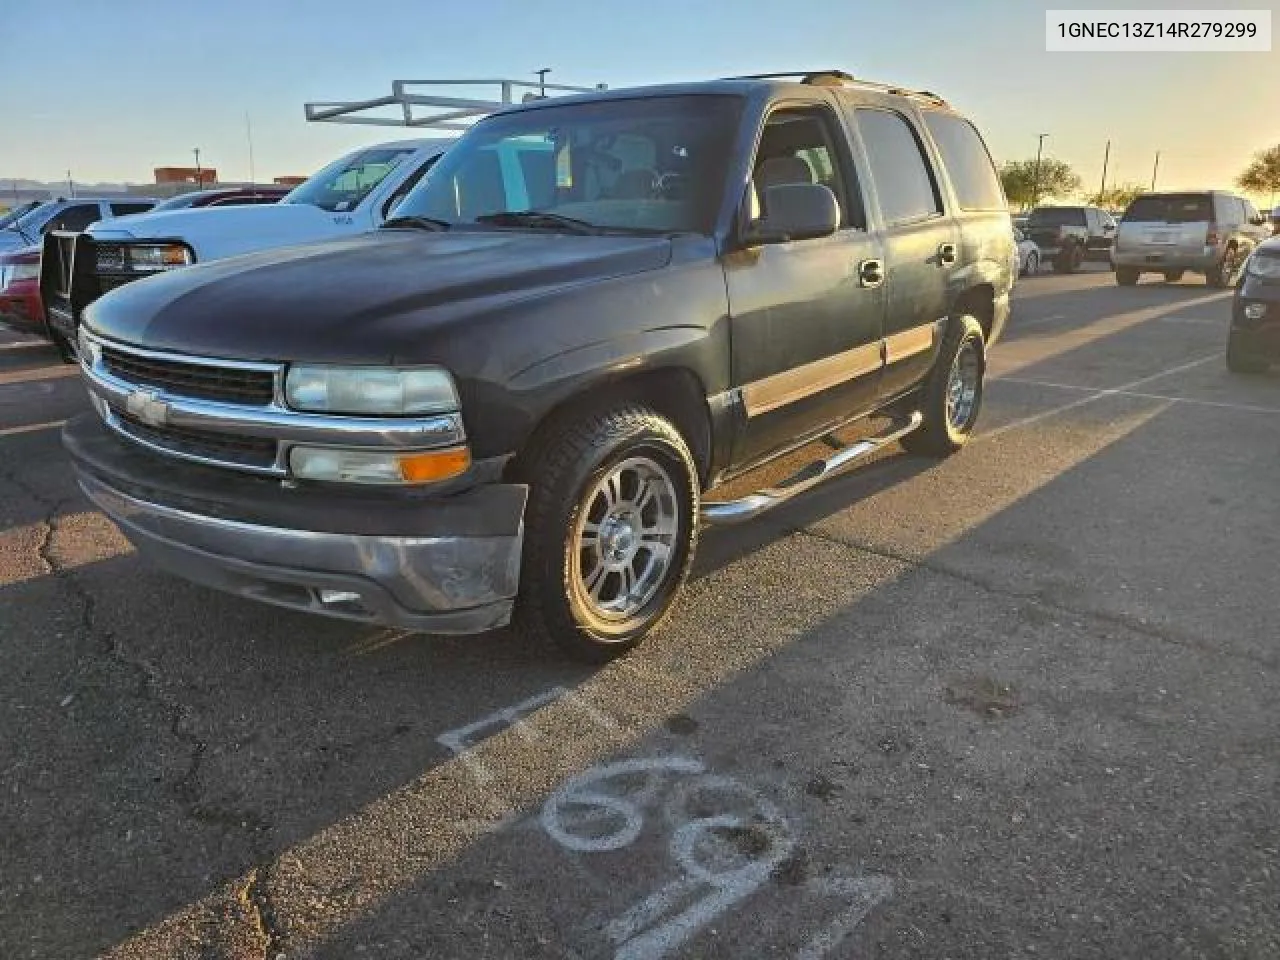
(1254, 342)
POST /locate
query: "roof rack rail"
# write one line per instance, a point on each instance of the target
(839, 78)
(455, 112)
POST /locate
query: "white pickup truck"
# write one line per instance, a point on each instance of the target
(354, 193)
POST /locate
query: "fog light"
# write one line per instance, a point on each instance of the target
(386, 467)
(339, 596)
(1255, 311)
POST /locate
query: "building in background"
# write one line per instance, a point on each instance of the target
(197, 176)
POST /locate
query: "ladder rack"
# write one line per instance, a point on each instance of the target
(436, 111)
(838, 78)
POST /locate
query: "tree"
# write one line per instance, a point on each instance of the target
(1057, 179)
(1263, 174)
(1119, 196)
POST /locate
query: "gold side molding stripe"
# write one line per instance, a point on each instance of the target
(909, 342)
(761, 396)
(770, 393)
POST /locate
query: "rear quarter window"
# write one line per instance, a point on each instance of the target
(967, 162)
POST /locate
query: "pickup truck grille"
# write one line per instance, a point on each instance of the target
(197, 380)
(259, 452)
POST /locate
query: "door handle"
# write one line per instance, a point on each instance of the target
(871, 273)
(947, 254)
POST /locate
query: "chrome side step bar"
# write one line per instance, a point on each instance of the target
(752, 505)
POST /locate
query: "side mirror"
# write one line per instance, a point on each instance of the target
(795, 211)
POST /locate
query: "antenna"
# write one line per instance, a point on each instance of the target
(248, 132)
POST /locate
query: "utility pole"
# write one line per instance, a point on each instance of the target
(199, 175)
(1154, 169)
(1035, 186)
(1105, 158)
(71, 184)
(542, 80)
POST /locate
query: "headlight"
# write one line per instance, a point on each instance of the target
(370, 391)
(142, 257)
(1267, 267)
(378, 466)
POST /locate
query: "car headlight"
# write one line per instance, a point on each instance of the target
(370, 391)
(1267, 267)
(142, 257)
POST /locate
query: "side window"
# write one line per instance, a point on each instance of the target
(802, 145)
(967, 162)
(903, 179)
(76, 217)
(124, 209)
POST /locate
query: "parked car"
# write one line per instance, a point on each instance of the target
(20, 290)
(1207, 231)
(519, 395)
(1068, 236)
(75, 214)
(1028, 254)
(354, 193)
(222, 197)
(1253, 343)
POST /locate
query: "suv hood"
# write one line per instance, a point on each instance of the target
(367, 299)
(215, 232)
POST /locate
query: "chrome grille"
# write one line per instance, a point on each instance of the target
(258, 452)
(198, 380)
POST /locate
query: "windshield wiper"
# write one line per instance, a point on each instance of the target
(538, 220)
(422, 223)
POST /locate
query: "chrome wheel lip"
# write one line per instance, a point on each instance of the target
(625, 539)
(964, 384)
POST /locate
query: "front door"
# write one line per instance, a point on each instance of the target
(807, 314)
(921, 244)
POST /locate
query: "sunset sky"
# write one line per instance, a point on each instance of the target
(111, 90)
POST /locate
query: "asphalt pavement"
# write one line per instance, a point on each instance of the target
(1020, 703)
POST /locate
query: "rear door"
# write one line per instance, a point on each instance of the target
(919, 239)
(806, 320)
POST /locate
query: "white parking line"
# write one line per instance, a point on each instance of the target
(1248, 407)
(1096, 395)
(30, 428)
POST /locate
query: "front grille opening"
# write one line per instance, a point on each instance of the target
(228, 384)
(223, 447)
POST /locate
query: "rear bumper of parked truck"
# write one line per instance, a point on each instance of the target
(447, 565)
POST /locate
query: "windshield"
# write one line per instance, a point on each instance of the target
(648, 164)
(347, 181)
(31, 222)
(1056, 217)
(177, 203)
(1171, 208)
(9, 218)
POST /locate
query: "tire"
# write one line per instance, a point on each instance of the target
(1220, 276)
(590, 472)
(1173, 276)
(1239, 360)
(1069, 260)
(1033, 265)
(943, 433)
(1126, 276)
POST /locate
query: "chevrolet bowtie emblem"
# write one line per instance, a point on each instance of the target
(147, 406)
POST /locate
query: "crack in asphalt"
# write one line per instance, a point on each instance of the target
(1120, 620)
(255, 899)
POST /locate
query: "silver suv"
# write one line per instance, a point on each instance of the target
(1209, 232)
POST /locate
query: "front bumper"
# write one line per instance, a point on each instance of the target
(447, 565)
(1258, 336)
